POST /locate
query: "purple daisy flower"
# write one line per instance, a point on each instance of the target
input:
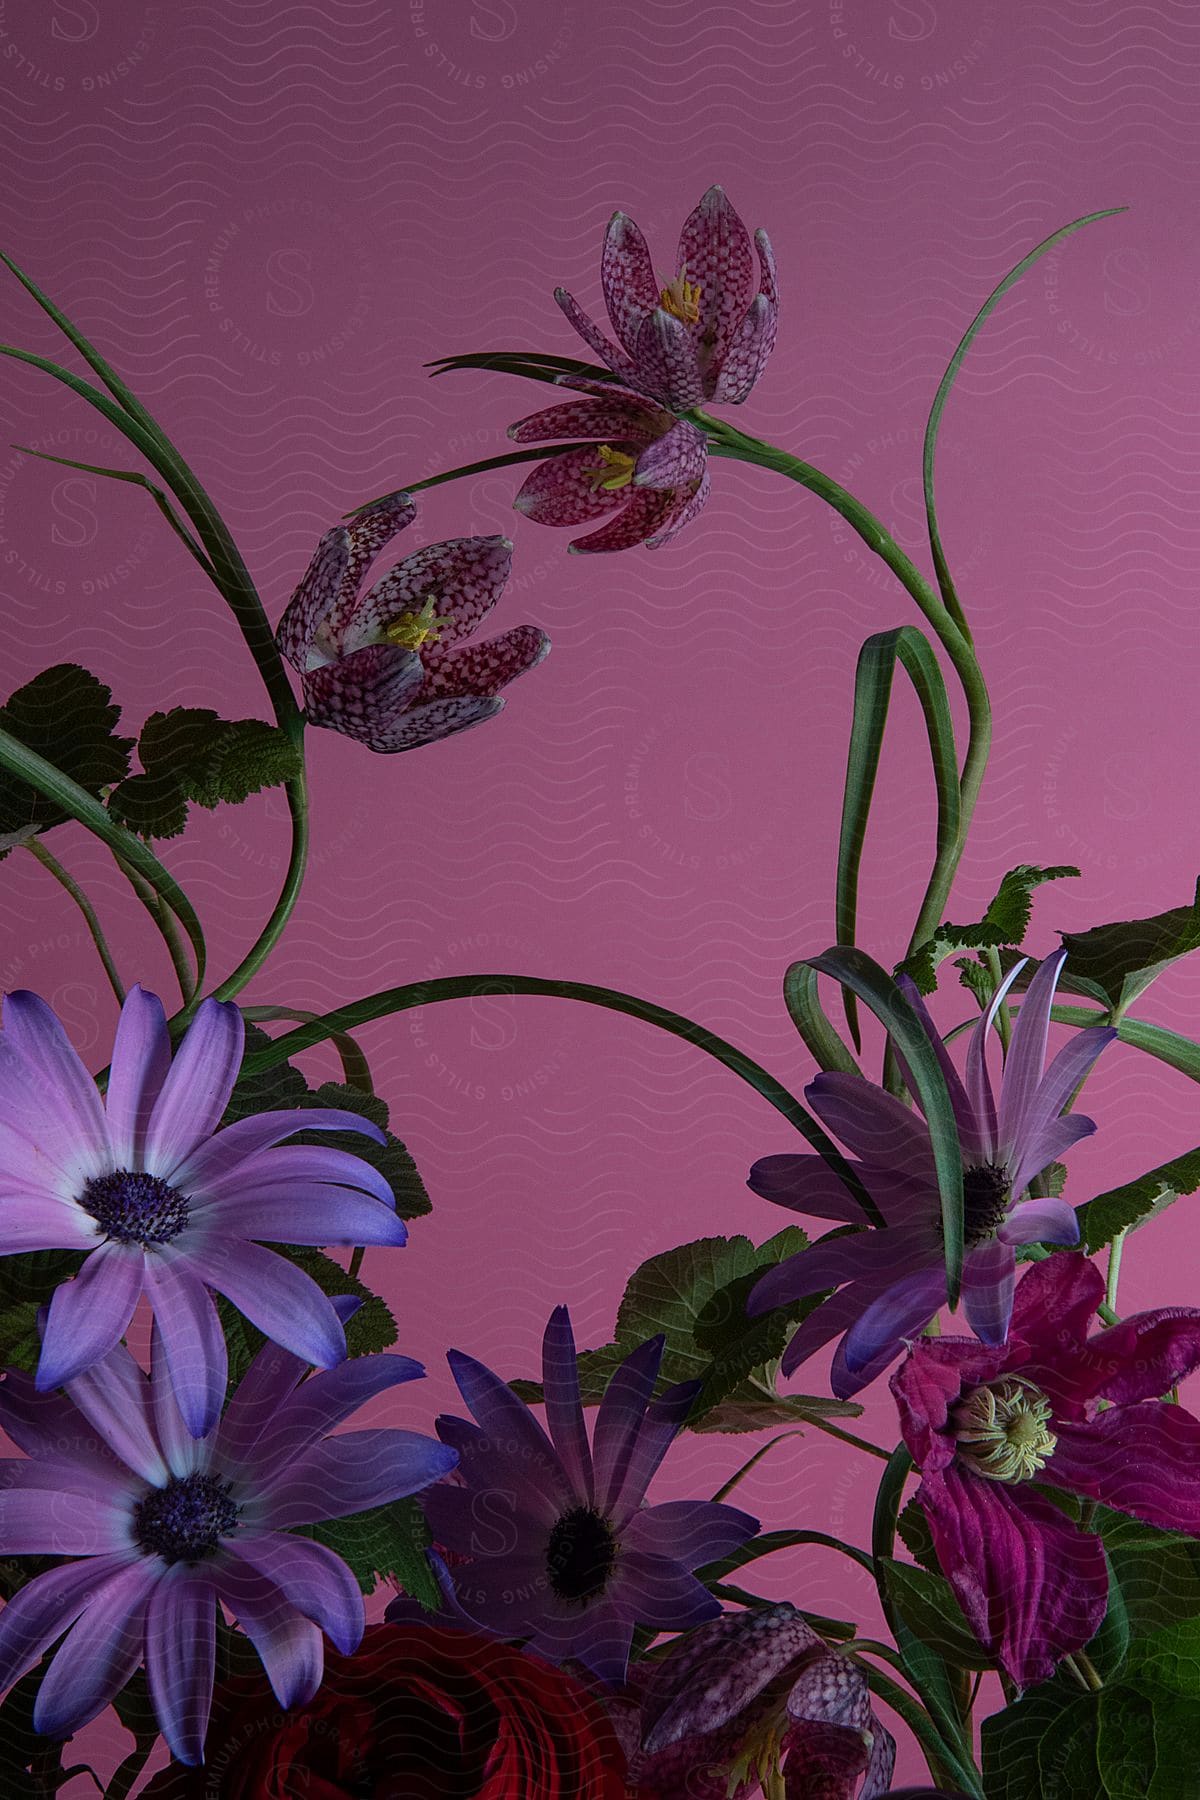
(982, 1425)
(165, 1525)
(892, 1281)
(387, 667)
(703, 335)
(549, 1536)
(163, 1204)
(647, 466)
(758, 1698)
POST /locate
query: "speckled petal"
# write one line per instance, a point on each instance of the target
(561, 491)
(683, 518)
(647, 512)
(675, 460)
(666, 361)
(593, 337)
(370, 530)
(627, 277)
(434, 719)
(483, 669)
(714, 246)
(747, 355)
(313, 600)
(464, 577)
(601, 420)
(362, 694)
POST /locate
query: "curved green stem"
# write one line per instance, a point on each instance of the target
(51, 864)
(289, 893)
(165, 926)
(465, 987)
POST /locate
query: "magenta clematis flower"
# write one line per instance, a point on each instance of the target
(387, 667)
(757, 1698)
(983, 1425)
(702, 335)
(647, 466)
(892, 1281)
(163, 1204)
(165, 1526)
(548, 1535)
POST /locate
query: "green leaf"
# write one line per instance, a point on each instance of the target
(534, 365)
(803, 1001)
(1158, 1571)
(1168, 1659)
(190, 753)
(1134, 1202)
(151, 805)
(27, 1283)
(1003, 924)
(69, 717)
(370, 1330)
(864, 977)
(1122, 959)
(947, 383)
(915, 1535)
(1043, 1746)
(872, 693)
(926, 1602)
(387, 1543)
(747, 1408)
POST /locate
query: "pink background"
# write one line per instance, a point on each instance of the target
(270, 216)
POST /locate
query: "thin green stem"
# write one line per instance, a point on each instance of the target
(464, 987)
(127, 1773)
(945, 1761)
(289, 893)
(726, 1488)
(51, 864)
(539, 454)
(849, 1437)
(165, 924)
(356, 1261)
(1113, 1273)
(1003, 1015)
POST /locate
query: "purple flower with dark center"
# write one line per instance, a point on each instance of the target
(388, 667)
(165, 1525)
(987, 1427)
(892, 1281)
(757, 1700)
(549, 1536)
(164, 1204)
(702, 334)
(647, 466)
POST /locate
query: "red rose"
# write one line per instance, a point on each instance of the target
(421, 1712)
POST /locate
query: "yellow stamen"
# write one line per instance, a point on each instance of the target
(681, 298)
(411, 630)
(759, 1759)
(615, 471)
(1003, 1430)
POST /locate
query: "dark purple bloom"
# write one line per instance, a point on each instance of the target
(983, 1425)
(549, 1536)
(758, 1698)
(647, 467)
(164, 1204)
(388, 667)
(165, 1525)
(702, 335)
(892, 1281)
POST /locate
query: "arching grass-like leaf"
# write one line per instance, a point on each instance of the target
(872, 693)
(856, 971)
(803, 1001)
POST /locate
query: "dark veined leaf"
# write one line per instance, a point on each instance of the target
(387, 1543)
(192, 754)
(27, 1283)
(864, 977)
(913, 1529)
(872, 694)
(1135, 1202)
(1158, 1571)
(1003, 924)
(69, 717)
(151, 805)
(946, 384)
(926, 1602)
(1121, 960)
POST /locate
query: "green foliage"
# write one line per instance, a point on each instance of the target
(927, 1604)
(1004, 923)
(915, 1535)
(69, 717)
(1134, 1202)
(1121, 960)
(190, 754)
(388, 1543)
(27, 1283)
(1158, 1571)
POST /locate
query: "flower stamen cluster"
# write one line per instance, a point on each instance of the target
(1003, 1429)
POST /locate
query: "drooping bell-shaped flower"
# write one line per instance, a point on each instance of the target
(699, 334)
(644, 466)
(390, 667)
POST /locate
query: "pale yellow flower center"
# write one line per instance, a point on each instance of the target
(411, 630)
(615, 470)
(681, 298)
(1003, 1430)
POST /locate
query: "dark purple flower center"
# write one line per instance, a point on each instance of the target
(135, 1208)
(580, 1555)
(985, 1201)
(186, 1520)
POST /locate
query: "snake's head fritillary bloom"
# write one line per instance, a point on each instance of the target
(162, 1526)
(891, 1281)
(700, 333)
(989, 1428)
(642, 465)
(549, 1537)
(390, 666)
(757, 1702)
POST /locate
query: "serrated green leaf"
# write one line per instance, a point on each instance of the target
(1025, 1746)
(1003, 924)
(1122, 959)
(915, 1535)
(68, 716)
(190, 753)
(747, 1408)
(386, 1543)
(246, 755)
(151, 805)
(1135, 1201)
